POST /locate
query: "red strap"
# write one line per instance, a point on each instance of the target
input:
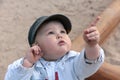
(56, 76)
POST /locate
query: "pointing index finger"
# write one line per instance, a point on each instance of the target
(95, 22)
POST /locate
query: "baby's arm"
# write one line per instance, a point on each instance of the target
(83, 69)
(23, 68)
(16, 71)
(92, 57)
(92, 48)
(91, 36)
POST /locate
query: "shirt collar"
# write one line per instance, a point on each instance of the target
(69, 55)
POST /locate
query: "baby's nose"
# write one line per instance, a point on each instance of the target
(59, 36)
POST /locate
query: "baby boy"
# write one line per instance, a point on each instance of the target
(50, 56)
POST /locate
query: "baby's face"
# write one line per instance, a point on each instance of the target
(53, 40)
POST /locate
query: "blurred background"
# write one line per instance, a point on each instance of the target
(16, 17)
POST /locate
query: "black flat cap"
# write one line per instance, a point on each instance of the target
(41, 20)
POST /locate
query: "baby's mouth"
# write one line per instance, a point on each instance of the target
(61, 43)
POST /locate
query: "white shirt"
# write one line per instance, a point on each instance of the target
(71, 67)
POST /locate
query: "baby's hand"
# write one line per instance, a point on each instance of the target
(91, 35)
(33, 55)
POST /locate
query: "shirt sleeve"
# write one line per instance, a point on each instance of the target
(84, 68)
(19, 72)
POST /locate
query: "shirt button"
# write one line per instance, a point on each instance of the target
(63, 63)
(48, 64)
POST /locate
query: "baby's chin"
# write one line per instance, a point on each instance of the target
(63, 51)
(55, 56)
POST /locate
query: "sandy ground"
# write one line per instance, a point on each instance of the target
(16, 16)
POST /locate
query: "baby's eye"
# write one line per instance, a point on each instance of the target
(63, 31)
(51, 32)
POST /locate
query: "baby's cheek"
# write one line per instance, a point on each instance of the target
(69, 44)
